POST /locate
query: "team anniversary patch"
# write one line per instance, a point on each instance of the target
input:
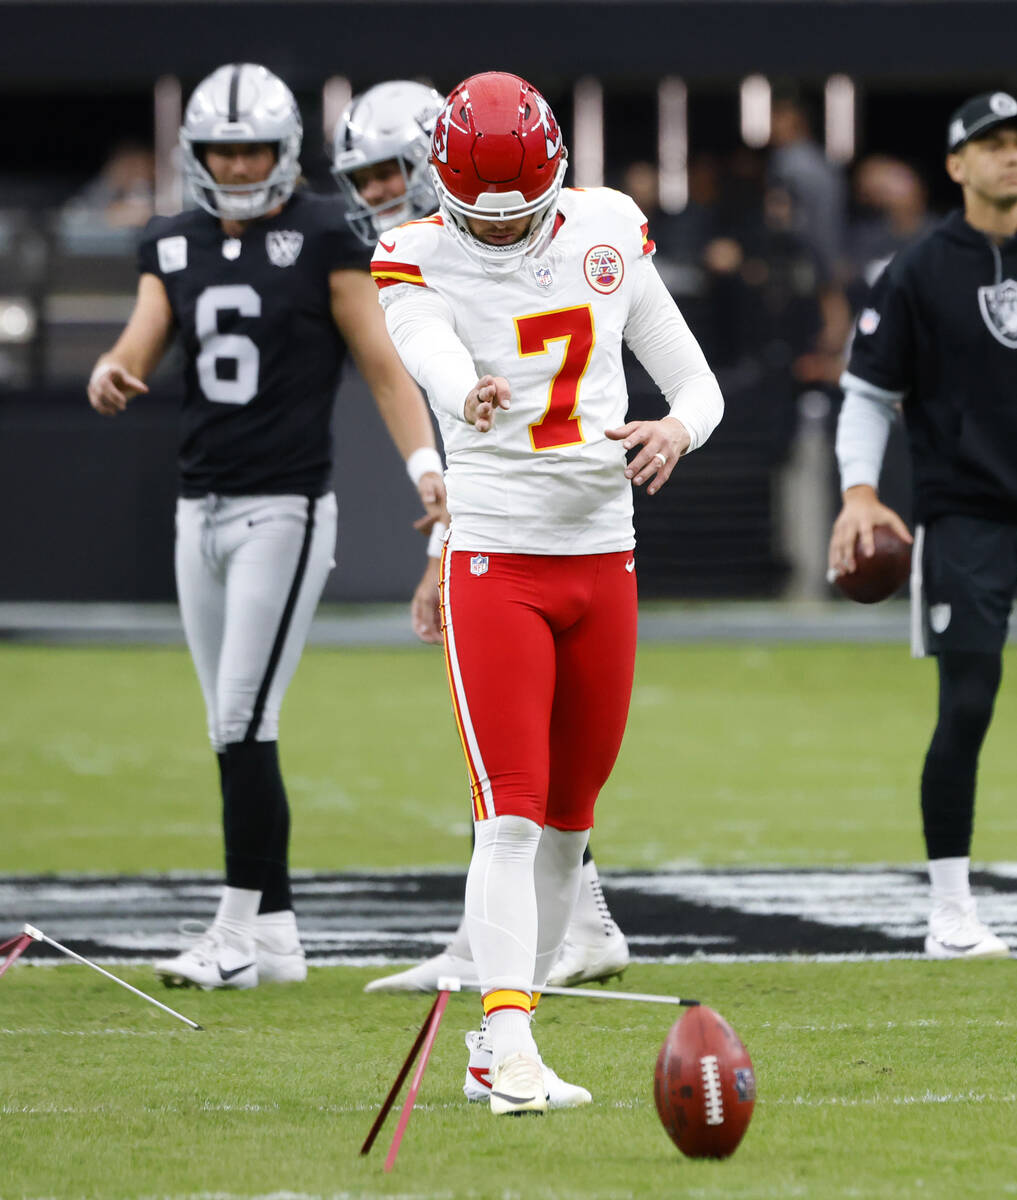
(372, 919)
(604, 269)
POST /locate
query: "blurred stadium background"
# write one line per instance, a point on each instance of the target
(783, 149)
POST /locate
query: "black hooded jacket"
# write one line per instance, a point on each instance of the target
(939, 334)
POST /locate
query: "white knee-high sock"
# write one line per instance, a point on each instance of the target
(501, 918)
(501, 903)
(557, 874)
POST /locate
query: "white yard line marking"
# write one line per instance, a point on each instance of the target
(890, 1101)
(876, 1026)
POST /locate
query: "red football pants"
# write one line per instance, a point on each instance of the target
(540, 653)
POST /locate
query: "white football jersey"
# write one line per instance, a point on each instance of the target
(545, 479)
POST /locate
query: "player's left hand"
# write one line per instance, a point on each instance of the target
(663, 442)
(425, 607)
(431, 489)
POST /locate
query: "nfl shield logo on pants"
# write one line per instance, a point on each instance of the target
(478, 564)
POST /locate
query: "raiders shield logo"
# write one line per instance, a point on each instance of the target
(999, 311)
(283, 246)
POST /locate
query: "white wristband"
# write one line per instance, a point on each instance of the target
(422, 461)
(437, 540)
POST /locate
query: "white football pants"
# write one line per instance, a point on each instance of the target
(250, 571)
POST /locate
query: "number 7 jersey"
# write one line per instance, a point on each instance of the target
(545, 479)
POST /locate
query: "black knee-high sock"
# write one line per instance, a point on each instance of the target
(968, 683)
(256, 822)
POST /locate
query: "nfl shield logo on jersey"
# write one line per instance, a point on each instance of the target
(868, 322)
(543, 276)
(283, 246)
(478, 564)
(999, 311)
(604, 269)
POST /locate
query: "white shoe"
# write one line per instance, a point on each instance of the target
(278, 950)
(586, 961)
(956, 932)
(477, 1087)
(518, 1086)
(214, 961)
(424, 976)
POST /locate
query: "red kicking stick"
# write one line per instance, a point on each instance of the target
(15, 947)
(424, 1039)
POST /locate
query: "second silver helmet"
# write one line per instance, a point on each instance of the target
(392, 120)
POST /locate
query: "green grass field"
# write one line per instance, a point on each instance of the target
(891, 1079)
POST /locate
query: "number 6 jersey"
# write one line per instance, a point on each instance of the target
(262, 351)
(545, 479)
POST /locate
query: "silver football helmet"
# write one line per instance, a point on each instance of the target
(242, 102)
(389, 121)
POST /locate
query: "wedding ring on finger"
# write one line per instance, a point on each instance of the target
(662, 458)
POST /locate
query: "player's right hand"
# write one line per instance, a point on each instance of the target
(111, 386)
(425, 607)
(861, 512)
(490, 393)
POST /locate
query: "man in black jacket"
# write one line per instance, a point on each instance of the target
(938, 342)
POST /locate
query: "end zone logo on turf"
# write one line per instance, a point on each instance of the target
(717, 915)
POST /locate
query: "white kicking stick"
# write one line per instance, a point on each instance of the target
(39, 936)
(599, 994)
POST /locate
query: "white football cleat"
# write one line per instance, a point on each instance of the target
(214, 961)
(956, 932)
(477, 1087)
(518, 1086)
(590, 961)
(278, 950)
(424, 976)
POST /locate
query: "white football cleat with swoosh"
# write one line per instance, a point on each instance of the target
(214, 961)
(517, 1086)
(477, 1087)
(956, 932)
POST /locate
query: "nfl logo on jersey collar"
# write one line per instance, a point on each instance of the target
(283, 246)
(231, 249)
(543, 276)
(478, 564)
(604, 269)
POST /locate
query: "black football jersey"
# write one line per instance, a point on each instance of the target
(939, 334)
(263, 354)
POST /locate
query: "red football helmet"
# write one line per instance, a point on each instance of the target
(497, 154)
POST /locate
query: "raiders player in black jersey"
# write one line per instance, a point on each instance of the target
(264, 288)
(938, 341)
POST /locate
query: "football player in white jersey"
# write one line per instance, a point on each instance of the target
(265, 288)
(510, 308)
(380, 161)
